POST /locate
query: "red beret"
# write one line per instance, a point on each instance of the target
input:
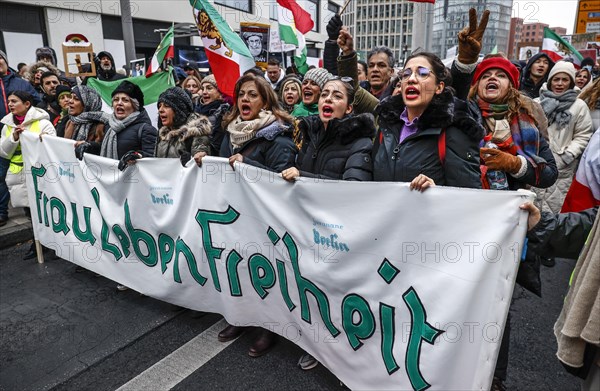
(499, 63)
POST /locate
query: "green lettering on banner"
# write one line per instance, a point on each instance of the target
(139, 235)
(61, 224)
(123, 239)
(388, 336)
(304, 286)
(166, 248)
(106, 245)
(204, 218)
(256, 263)
(364, 328)
(283, 285)
(420, 331)
(182, 248)
(87, 235)
(38, 172)
(46, 222)
(232, 262)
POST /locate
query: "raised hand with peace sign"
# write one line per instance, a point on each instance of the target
(470, 38)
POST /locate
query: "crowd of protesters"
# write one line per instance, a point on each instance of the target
(490, 124)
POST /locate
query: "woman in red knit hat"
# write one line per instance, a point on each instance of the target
(522, 154)
(508, 118)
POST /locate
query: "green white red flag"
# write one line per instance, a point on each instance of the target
(558, 48)
(164, 51)
(227, 54)
(294, 22)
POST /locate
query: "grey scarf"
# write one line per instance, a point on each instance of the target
(115, 126)
(86, 121)
(556, 107)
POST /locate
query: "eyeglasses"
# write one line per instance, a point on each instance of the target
(421, 73)
(343, 79)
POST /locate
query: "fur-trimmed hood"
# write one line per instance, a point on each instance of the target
(33, 68)
(197, 125)
(444, 110)
(346, 129)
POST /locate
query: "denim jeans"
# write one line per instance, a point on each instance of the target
(4, 194)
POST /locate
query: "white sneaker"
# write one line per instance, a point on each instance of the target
(307, 362)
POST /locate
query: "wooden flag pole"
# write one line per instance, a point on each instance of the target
(344, 7)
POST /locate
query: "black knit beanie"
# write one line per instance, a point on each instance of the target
(132, 90)
(180, 101)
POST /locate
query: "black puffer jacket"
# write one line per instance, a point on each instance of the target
(342, 151)
(271, 149)
(420, 153)
(215, 111)
(139, 136)
(548, 172)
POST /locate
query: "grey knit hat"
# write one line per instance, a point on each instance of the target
(210, 79)
(180, 101)
(319, 76)
(3, 56)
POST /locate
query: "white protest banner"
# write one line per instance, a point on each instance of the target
(388, 288)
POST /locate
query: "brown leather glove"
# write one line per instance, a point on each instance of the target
(495, 159)
(470, 38)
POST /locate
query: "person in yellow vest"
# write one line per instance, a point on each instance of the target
(23, 117)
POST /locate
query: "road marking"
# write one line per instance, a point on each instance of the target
(175, 367)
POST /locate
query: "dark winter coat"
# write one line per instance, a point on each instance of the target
(528, 87)
(139, 136)
(192, 137)
(342, 151)
(109, 75)
(51, 106)
(562, 235)
(215, 112)
(12, 82)
(271, 149)
(420, 153)
(549, 172)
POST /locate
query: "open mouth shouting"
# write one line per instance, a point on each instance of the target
(327, 111)
(411, 93)
(492, 86)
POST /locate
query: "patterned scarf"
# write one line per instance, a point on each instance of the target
(525, 135)
(241, 131)
(91, 115)
(115, 126)
(556, 107)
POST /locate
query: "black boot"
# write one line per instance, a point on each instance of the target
(548, 262)
(31, 253)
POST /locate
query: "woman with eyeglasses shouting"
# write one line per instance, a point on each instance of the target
(426, 136)
(336, 143)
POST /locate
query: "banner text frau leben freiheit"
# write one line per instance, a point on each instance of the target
(383, 296)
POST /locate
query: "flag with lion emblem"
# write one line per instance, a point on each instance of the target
(227, 54)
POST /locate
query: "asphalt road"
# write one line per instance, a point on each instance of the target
(64, 330)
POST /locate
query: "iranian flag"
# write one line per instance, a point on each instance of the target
(292, 29)
(164, 51)
(227, 54)
(558, 48)
(152, 87)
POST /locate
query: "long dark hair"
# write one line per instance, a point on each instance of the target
(267, 94)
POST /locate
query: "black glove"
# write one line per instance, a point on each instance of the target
(185, 157)
(81, 149)
(334, 26)
(131, 155)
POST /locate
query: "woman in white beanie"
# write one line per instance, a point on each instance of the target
(569, 130)
(214, 107)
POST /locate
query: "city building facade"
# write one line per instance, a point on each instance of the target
(445, 30)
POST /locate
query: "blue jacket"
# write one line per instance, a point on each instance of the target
(12, 82)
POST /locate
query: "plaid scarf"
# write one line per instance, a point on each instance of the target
(525, 135)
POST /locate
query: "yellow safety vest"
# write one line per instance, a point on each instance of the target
(16, 161)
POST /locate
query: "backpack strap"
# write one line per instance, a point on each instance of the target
(442, 146)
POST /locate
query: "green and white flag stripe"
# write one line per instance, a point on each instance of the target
(151, 86)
